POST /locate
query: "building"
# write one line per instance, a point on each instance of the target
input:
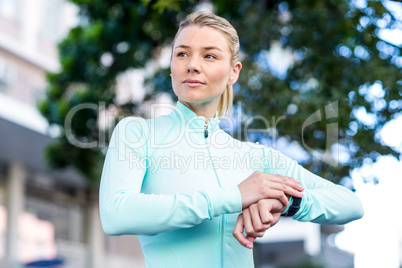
(44, 214)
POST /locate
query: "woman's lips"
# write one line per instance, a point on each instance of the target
(193, 83)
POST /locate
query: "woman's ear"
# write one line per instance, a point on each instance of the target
(235, 73)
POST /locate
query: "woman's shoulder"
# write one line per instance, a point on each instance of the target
(132, 122)
(145, 126)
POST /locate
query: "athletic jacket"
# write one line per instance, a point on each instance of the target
(173, 182)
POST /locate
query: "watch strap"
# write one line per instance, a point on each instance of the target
(294, 207)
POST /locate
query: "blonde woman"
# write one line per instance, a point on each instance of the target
(196, 217)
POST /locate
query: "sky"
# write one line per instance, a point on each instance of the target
(375, 238)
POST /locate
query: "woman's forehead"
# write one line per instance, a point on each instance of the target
(195, 36)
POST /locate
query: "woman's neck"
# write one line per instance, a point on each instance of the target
(207, 110)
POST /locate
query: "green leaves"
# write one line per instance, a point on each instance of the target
(171, 5)
(334, 56)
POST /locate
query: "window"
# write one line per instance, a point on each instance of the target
(68, 220)
(39, 94)
(7, 75)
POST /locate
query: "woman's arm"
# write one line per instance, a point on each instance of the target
(125, 210)
(323, 202)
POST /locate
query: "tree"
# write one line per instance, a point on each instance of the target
(336, 58)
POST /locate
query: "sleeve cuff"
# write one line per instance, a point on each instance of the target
(224, 201)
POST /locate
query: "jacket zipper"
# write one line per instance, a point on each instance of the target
(223, 217)
(206, 130)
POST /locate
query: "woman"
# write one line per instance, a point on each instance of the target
(195, 216)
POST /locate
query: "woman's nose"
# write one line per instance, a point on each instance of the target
(193, 65)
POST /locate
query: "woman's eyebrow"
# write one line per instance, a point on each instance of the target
(212, 47)
(205, 48)
(182, 46)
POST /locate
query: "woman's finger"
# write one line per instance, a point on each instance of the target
(251, 239)
(258, 224)
(289, 181)
(295, 184)
(275, 194)
(248, 225)
(280, 186)
(238, 233)
(278, 191)
(261, 185)
(264, 211)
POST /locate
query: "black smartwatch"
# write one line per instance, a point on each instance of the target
(294, 207)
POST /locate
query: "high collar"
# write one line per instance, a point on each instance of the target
(192, 120)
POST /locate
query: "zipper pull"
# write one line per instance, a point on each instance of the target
(206, 130)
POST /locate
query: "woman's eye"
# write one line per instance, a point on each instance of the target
(209, 56)
(181, 54)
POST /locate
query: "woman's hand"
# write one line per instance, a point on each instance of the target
(256, 219)
(261, 185)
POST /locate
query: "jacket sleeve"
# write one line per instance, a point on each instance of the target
(125, 210)
(323, 202)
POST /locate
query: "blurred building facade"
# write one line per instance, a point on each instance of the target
(44, 215)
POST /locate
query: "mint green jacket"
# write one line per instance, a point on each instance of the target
(173, 182)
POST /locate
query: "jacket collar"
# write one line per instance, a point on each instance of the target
(190, 118)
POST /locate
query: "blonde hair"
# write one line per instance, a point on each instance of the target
(203, 18)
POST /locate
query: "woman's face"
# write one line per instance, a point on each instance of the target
(201, 65)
